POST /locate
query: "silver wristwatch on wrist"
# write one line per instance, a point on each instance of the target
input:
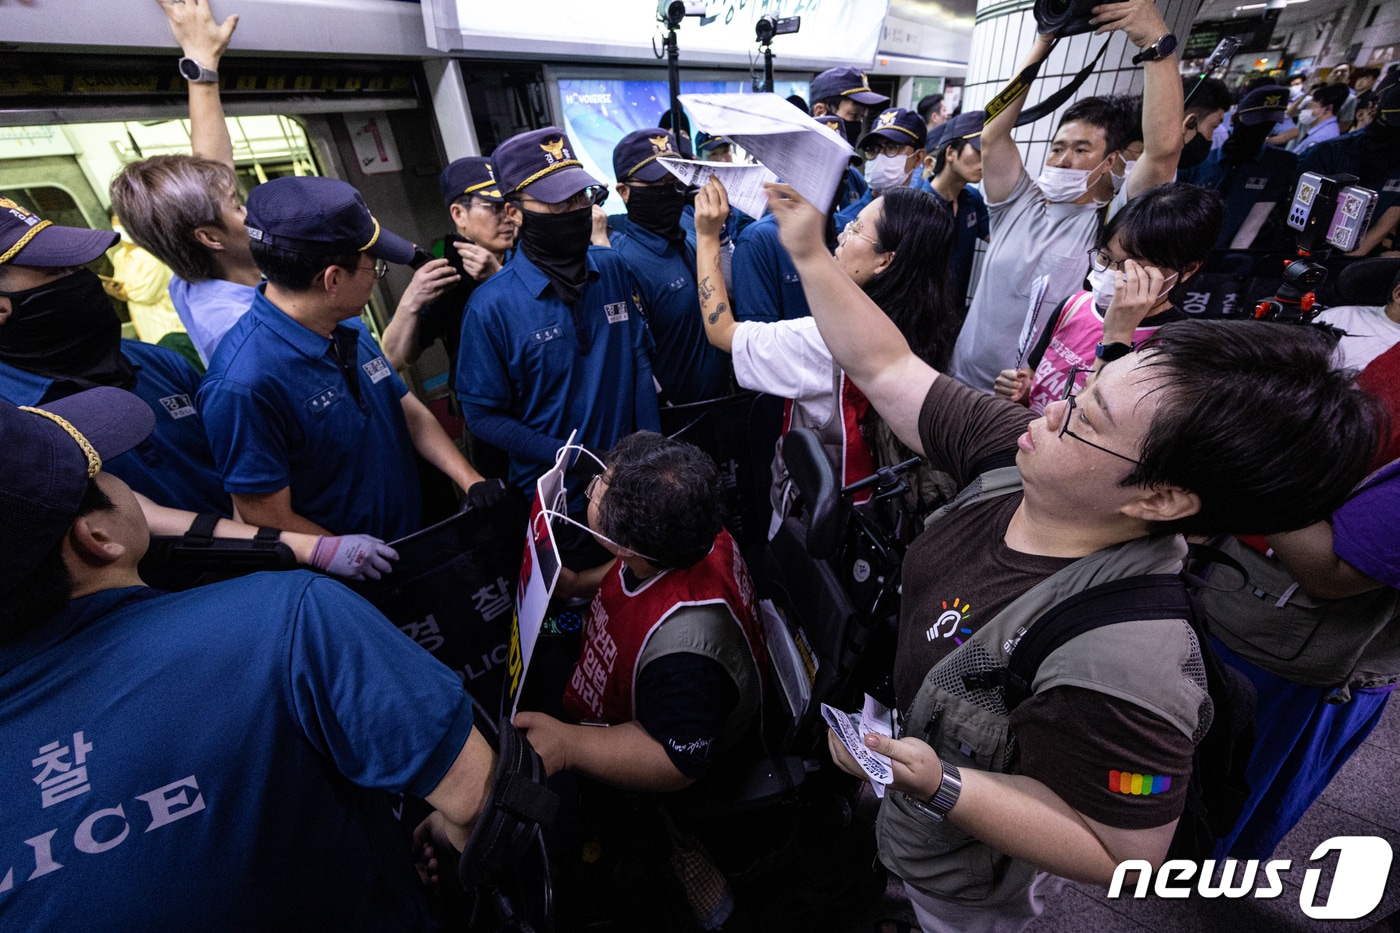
(945, 797)
(195, 73)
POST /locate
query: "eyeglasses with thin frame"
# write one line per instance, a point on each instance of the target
(1098, 259)
(853, 228)
(1072, 387)
(380, 268)
(888, 148)
(577, 202)
(495, 208)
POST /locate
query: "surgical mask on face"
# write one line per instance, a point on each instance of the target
(887, 171)
(1101, 283)
(1120, 180)
(1306, 117)
(553, 513)
(1062, 185)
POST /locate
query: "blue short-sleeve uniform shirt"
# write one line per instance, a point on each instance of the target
(1267, 178)
(687, 366)
(520, 354)
(219, 759)
(280, 413)
(969, 226)
(173, 466)
(766, 284)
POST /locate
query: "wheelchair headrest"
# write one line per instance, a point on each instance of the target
(1367, 281)
(815, 479)
(516, 808)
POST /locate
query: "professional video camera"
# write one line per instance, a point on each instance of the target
(765, 29)
(1064, 18)
(1328, 212)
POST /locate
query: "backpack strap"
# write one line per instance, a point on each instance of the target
(1148, 596)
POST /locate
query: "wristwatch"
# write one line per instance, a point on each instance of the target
(945, 797)
(1108, 352)
(1159, 49)
(196, 73)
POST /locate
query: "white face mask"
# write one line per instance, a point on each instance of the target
(1306, 117)
(887, 171)
(1062, 185)
(1120, 180)
(552, 513)
(1102, 285)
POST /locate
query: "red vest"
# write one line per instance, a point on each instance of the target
(602, 687)
(841, 435)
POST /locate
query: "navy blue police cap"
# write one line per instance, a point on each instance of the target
(845, 82)
(634, 158)
(47, 457)
(705, 143)
(1262, 105)
(472, 175)
(542, 164)
(28, 240)
(320, 216)
(966, 126)
(896, 125)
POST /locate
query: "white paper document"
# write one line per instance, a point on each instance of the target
(802, 152)
(852, 729)
(743, 183)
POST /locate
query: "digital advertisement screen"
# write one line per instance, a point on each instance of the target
(598, 113)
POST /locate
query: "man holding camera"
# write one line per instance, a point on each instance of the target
(309, 424)
(1042, 228)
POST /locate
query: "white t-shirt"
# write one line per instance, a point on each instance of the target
(1038, 250)
(1369, 334)
(787, 359)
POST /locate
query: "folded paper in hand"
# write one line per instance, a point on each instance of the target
(742, 183)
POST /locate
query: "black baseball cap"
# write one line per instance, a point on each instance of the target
(634, 158)
(967, 125)
(542, 164)
(1262, 105)
(323, 216)
(896, 125)
(47, 457)
(845, 82)
(28, 240)
(472, 175)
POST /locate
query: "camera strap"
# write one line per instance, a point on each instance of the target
(1022, 83)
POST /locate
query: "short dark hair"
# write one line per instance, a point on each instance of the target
(914, 290)
(664, 499)
(49, 586)
(940, 154)
(1171, 226)
(295, 270)
(1112, 114)
(928, 105)
(800, 102)
(1208, 96)
(1331, 95)
(832, 104)
(1256, 422)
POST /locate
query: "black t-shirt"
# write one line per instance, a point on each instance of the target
(443, 318)
(960, 573)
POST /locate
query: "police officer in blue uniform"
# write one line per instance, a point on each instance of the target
(662, 256)
(312, 430)
(59, 334)
(895, 148)
(766, 286)
(955, 150)
(556, 340)
(1245, 170)
(1371, 153)
(219, 759)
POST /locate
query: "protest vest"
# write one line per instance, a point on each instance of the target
(1155, 664)
(1077, 332)
(840, 436)
(626, 631)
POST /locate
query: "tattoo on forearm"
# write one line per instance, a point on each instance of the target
(719, 312)
(707, 290)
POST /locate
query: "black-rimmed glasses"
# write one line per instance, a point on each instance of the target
(1072, 387)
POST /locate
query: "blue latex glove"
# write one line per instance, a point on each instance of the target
(354, 557)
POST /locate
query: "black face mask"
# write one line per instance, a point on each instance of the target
(66, 331)
(657, 209)
(1194, 152)
(852, 131)
(558, 244)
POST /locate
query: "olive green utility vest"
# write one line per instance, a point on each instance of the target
(1155, 664)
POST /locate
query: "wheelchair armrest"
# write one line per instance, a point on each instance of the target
(815, 479)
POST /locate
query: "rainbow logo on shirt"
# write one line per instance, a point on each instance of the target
(1142, 785)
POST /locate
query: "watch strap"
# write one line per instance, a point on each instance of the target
(1108, 352)
(1155, 50)
(943, 799)
(202, 75)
